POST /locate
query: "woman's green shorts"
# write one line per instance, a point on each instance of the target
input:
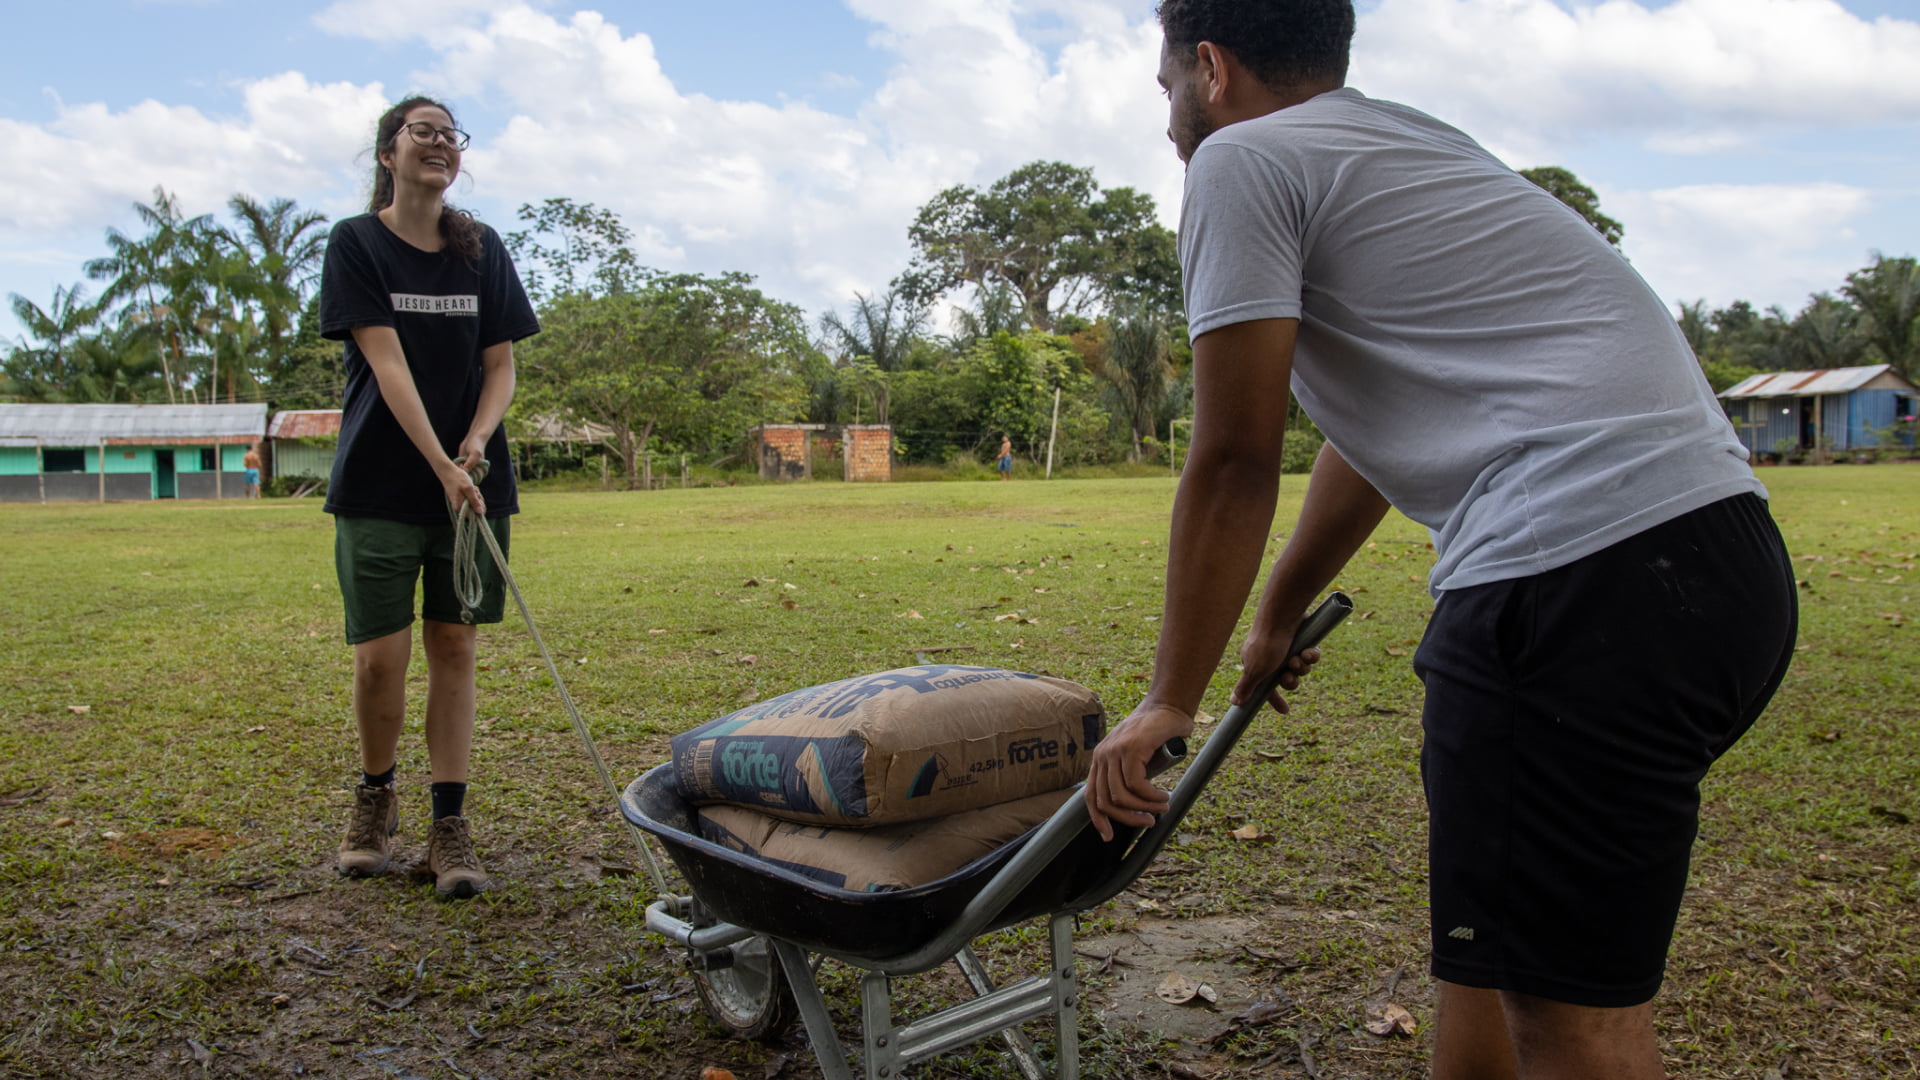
(380, 561)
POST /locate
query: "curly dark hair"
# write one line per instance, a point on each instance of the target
(457, 227)
(1283, 42)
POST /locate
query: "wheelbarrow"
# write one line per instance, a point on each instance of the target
(749, 926)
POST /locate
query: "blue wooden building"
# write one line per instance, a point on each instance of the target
(97, 453)
(1838, 409)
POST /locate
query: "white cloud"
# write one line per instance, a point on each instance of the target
(817, 203)
(1532, 74)
(403, 18)
(86, 165)
(1780, 242)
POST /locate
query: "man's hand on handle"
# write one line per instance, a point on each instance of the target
(1118, 788)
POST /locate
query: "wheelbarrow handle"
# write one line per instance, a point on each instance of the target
(1312, 629)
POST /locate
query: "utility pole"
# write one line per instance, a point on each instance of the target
(1053, 431)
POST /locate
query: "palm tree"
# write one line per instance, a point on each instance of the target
(1137, 366)
(1888, 292)
(224, 290)
(287, 245)
(1696, 326)
(995, 308)
(877, 337)
(1826, 334)
(136, 271)
(49, 367)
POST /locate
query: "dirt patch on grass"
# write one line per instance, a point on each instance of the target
(202, 844)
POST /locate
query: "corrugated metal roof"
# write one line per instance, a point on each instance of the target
(303, 423)
(1789, 383)
(550, 428)
(86, 425)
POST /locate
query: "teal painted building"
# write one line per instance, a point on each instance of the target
(101, 453)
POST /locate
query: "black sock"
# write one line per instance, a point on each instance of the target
(449, 796)
(383, 780)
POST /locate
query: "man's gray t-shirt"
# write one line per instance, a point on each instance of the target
(1470, 345)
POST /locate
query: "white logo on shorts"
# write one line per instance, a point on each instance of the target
(1464, 933)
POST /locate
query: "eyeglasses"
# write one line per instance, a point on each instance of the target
(425, 133)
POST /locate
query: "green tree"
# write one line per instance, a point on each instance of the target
(222, 294)
(689, 359)
(286, 245)
(138, 270)
(876, 339)
(1888, 295)
(311, 373)
(994, 309)
(1826, 334)
(49, 365)
(1046, 231)
(1566, 187)
(570, 248)
(1136, 354)
(1013, 378)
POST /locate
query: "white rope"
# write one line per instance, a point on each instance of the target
(468, 529)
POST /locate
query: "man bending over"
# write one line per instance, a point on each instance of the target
(1615, 606)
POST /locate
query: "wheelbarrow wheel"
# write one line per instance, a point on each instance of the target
(750, 998)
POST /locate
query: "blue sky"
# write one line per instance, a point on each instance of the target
(1754, 149)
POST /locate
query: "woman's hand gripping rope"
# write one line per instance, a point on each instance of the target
(470, 527)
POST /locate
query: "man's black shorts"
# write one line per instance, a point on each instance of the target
(1569, 719)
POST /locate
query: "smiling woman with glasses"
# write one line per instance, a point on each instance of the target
(428, 305)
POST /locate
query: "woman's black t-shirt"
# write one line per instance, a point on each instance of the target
(446, 311)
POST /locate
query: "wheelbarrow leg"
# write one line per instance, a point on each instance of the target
(813, 1010)
(1017, 1042)
(1066, 997)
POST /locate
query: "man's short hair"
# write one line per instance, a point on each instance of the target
(1283, 42)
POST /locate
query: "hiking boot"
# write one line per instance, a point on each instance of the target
(376, 815)
(457, 874)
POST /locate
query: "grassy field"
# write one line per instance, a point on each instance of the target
(176, 758)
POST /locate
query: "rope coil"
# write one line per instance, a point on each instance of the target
(469, 529)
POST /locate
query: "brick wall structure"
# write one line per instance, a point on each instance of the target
(869, 452)
(784, 450)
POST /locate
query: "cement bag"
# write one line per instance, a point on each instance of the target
(879, 859)
(903, 745)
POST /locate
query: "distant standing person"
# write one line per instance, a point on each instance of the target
(251, 462)
(429, 306)
(1006, 458)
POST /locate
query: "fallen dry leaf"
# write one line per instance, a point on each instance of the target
(79, 710)
(1393, 1020)
(749, 659)
(1395, 650)
(1268, 755)
(788, 604)
(62, 822)
(910, 614)
(1176, 989)
(256, 730)
(658, 630)
(1252, 834)
(715, 1072)
(750, 583)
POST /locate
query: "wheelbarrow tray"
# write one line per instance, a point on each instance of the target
(772, 900)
